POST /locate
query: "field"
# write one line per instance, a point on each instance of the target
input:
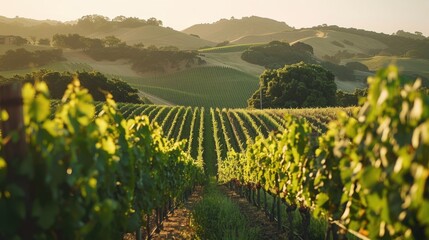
(203, 86)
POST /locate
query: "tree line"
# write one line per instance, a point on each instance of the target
(22, 58)
(84, 25)
(98, 85)
(143, 59)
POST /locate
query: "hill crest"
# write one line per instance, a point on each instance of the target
(231, 29)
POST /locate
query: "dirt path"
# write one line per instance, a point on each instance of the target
(177, 226)
(319, 34)
(256, 217)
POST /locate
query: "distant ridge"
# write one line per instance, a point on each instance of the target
(232, 29)
(27, 22)
(148, 35)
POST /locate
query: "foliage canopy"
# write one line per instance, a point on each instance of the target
(297, 85)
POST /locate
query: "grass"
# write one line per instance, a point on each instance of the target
(406, 65)
(203, 86)
(317, 226)
(287, 36)
(217, 217)
(350, 86)
(322, 44)
(230, 48)
(232, 60)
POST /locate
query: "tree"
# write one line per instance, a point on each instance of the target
(303, 47)
(44, 41)
(357, 66)
(153, 21)
(92, 22)
(297, 85)
(19, 41)
(112, 41)
(222, 44)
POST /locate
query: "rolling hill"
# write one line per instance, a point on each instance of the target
(226, 80)
(230, 30)
(27, 21)
(155, 35)
(148, 35)
(322, 41)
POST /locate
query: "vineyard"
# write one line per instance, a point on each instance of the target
(356, 173)
(229, 129)
(201, 86)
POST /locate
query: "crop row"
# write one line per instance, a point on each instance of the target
(211, 133)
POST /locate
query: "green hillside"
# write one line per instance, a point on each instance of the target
(201, 86)
(406, 65)
(233, 29)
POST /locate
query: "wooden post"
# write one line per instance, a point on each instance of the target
(148, 230)
(273, 208)
(139, 233)
(265, 201)
(11, 101)
(279, 215)
(15, 148)
(258, 197)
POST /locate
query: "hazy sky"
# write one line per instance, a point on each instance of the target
(378, 15)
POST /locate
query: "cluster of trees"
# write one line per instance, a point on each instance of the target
(357, 66)
(85, 25)
(151, 59)
(96, 83)
(18, 40)
(76, 41)
(346, 99)
(97, 22)
(276, 54)
(44, 41)
(22, 58)
(340, 71)
(143, 59)
(415, 35)
(295, 86)
(343, 54)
